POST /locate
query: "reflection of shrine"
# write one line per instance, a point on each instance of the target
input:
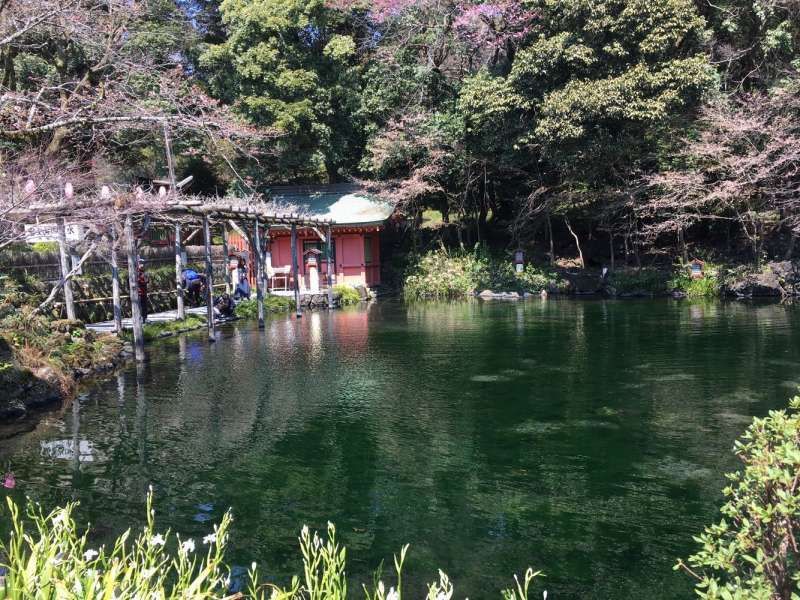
(351, 329)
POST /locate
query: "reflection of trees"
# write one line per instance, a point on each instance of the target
(590, 446)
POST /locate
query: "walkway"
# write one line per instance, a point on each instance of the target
(161, 317)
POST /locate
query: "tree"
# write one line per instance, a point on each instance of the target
(291, 65)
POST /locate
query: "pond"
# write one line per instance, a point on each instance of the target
(587, 439)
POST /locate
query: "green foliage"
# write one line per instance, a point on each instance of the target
(708, 286)
(55, 561)
(153, 331)
(751, 553)
(248, 309)
(52, 559)
(346, 294)
(441, 274)
(632, 281)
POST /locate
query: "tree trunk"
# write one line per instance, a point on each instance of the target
(115, 291)
(65, 268)
(577, 242)
(179, 273)
(611, 247)
(209, 281)
(550, 240)
(133, 291)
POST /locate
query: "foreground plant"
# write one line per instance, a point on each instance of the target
(752, 553)
(56, 562)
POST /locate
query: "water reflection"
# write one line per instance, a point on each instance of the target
(587, 439)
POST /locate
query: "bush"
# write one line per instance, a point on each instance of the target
(752, 552)
(54, 561)
(248, 309)
(708, 286)
(441, 274)
(347, 295)
(630, 281)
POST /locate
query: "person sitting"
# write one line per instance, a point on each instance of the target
(224, 306)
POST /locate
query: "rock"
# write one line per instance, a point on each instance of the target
(487, 294)
(678, 294)
(757, 285)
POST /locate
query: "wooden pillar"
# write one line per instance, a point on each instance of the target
(65, 268)
(257, 258)
(294, 272)
(329, 252)
(136, 310)
(115, 296)
(229, 288)
(209, 281)
(264, 262)
(179, 273)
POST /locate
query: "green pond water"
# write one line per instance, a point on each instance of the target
(587, 439)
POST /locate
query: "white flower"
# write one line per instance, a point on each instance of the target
(210, 538)
(148, 573)
(253, 566)
(393, 594)
(60, 518)
(157, 540)
(188, 545)
(89, 554)
(544, 595)
(304, 531)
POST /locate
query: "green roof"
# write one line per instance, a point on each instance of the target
(344, 203)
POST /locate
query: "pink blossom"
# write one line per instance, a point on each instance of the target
(9, 481)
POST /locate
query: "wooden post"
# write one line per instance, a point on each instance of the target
(329, 252)
(136, 309)
(115, 296)
(264, 262)
(65, 268)
(229, 287)
(179, 273)
(259, 268)
(294, 272)
(209, 281)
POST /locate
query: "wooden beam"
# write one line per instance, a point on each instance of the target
(329, 252)
(209, 281)
(179, 273)
(136, 309)
(298, 312)
(65, 268)
(257, 258)
(228, 287)
(115, 295)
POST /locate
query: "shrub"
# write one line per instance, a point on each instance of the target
(154, 331)
(630, 281)
(346, 294)
(441, 274)
(55, 561)
(708, 286)
(248, 309)
(752, 552)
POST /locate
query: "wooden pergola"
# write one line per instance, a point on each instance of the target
(175, 211)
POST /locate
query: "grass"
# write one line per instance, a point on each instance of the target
(154, 331)
(46, 557)
(708, 286)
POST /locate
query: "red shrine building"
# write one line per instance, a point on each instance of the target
(358, 220)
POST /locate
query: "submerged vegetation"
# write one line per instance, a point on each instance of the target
(47, 557)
